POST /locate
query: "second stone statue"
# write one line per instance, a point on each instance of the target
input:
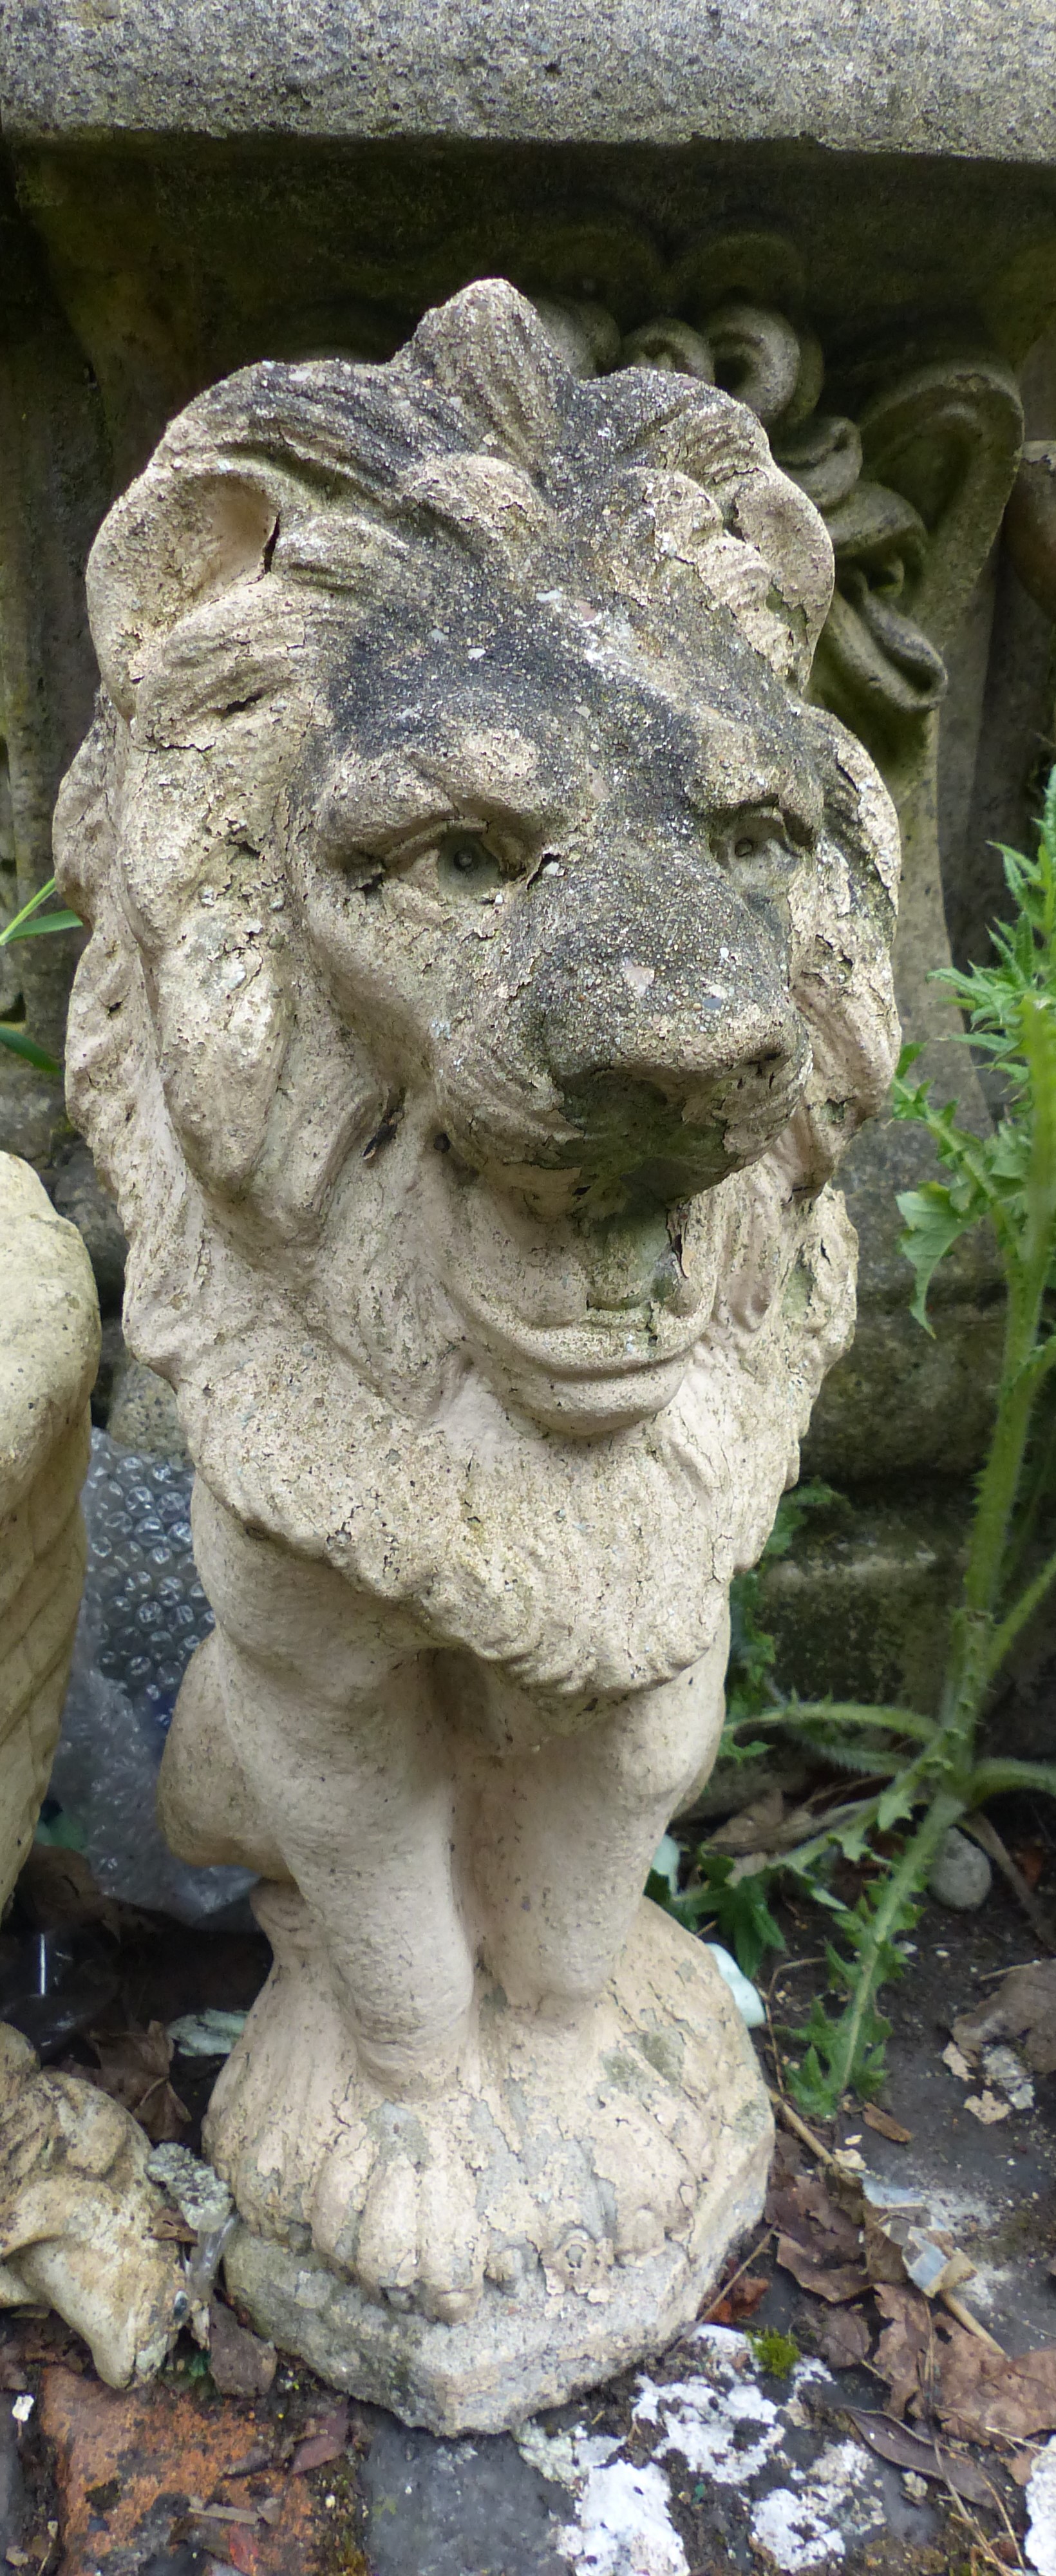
(489, 963)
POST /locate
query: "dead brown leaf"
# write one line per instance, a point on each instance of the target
(740, 2300)
(910, 2450)
(987, 2396)
(1022, 2008)
(134, 2070)
(322, 2447)
(222, 2512)
(834, 2283)
(987, 2108)
(241, 2364)
(171, 2229)
(817, 2242)
(887, 2127)
(250, 2462)
(800, 2205)
(1022, 2467)
(845, 2339)
(902, 2354)
(883, 2256)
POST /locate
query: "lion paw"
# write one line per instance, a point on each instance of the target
(557, 2152)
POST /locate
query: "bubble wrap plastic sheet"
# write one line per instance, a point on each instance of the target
(143, 1613)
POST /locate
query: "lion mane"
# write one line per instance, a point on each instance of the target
(234, 1108)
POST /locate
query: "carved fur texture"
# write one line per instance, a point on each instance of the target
(490, 961)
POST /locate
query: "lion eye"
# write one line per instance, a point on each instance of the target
(466, 868)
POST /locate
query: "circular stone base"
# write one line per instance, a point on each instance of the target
(561, 2212)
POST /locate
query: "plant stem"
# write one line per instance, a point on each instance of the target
(996, 1779)
(999, 1482)
(1026, 1271)
(1004, 1637)
(847, 1712)
(908, 1876)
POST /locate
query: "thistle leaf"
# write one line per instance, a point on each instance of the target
(932, 1224)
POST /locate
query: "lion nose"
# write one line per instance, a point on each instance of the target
(667, 1029)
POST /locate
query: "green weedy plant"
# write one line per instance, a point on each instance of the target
(930, 1773)
(33, 923)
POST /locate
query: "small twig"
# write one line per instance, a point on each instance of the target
(1003, 2511)
(989, 1976)
(989, 1840)
(724, 2291)
(775, 2053)
(979, 2538)
(799, 2128)
(780, 1973)
(786, 1968)
(965, 2318)
(825, 2156)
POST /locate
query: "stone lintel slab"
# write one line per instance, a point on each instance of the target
(971, 80)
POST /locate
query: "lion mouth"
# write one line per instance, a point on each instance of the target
(607, 1343)
(591, 1318)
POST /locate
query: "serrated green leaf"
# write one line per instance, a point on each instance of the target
(897, 1801)
(852, 1838)
(932, 1224)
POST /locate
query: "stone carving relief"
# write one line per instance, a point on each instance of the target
(489, 965)
(912, 491)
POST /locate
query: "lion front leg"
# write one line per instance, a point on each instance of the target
(567, 1833)
(356, 1808)
(305, 1741)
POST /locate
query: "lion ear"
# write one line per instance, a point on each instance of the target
(183, 532)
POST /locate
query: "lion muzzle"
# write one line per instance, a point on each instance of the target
(646, 1037)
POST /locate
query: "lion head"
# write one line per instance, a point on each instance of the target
(489, 964)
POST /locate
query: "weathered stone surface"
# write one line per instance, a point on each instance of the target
(859, 1607)
(142, 1412)
(48, 1350)
(511, 968)
(939, 1386)
(900, 75)
(77, 2216)
(462, 2506)
(573, 2137)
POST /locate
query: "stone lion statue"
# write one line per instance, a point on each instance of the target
(490, 962)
